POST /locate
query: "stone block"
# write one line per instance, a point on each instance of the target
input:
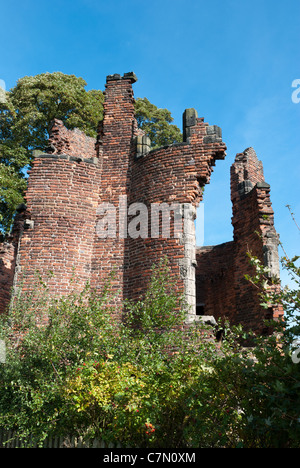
(28, 224)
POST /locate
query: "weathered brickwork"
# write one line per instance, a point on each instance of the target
(71, 142)
(115, 147)
(222, 288)
(74, 186)
(62, 199)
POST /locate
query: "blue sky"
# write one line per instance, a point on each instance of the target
(234, 61)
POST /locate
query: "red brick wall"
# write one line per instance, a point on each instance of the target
(115, 149)
(173, 175)
(71, 142)
(215, 280)
(221, 270)
(61, 200)
(69, 185)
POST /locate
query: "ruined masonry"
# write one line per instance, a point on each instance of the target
(57, 229)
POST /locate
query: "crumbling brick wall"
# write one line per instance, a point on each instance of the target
(72, 142)
(62, 201)
(223, 289)
(174, 175)
(80, 179)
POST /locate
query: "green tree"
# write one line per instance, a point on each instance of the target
(157, 123)
(12, 187)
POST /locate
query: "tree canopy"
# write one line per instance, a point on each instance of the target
(156, 123)
(29, 108)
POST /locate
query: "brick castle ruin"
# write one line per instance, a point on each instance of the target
(57, 229)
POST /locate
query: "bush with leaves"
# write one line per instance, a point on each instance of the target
(147, 381)
(46, 340)
(252, 394)
(72, 369)
(142, 386)
(274, 373)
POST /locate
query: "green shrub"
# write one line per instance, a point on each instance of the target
(148, 381)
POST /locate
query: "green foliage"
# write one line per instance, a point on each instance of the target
(157, 124)
(148, 381)
(273, 375)
(71, 369)
(12, 188)
(45, 341)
